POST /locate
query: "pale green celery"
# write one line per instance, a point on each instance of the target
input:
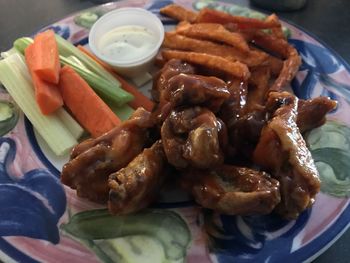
(21, 43)
(9, 52)
(67, 49)
(123, 112)
(105, 87)
(75, 60)
(56, 135)
(70, 123)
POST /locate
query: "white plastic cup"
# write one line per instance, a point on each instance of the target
(127, 17)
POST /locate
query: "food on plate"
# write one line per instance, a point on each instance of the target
(102, 81)
(135, 186)
(191, 138)
(214, 32)
(220, 122)
(55, 128)
(84, 104)
(207, 15)
(292, 163)
(47, 95)
(179, 13)
(93, 160)
(233, 190)
(236, 69)
(251, 58)
(127, 39)
(184, 89)
(312, 112)
(46, 62)
(140, 100)
(125, 43)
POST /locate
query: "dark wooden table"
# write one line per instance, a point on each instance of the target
(327, 19)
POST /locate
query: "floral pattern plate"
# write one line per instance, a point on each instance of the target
(43, 221)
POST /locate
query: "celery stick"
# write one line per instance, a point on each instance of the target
(123, 112)
(67, 49)
(56, 135)
(103, 87)
(7, 53)
(75, 60)
(21, 43)
(70, 123)
(75, 129)
(106, 88)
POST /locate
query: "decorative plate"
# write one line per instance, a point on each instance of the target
(43, 221)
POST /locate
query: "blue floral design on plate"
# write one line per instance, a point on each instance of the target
(61, 30)
(247, 238)
(32, 204)
(319, 63)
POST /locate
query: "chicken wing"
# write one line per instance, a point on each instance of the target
(191, 137)
(135, 186)
(233, 190)
(171, 68)
(282, 150)
(312, 113)
(94, 160)
(191, 90)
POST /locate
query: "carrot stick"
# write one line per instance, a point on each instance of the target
(47, 95)
(86, 106)
(140, 100)
(46, 63)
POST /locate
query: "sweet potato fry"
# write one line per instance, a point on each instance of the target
(258, 86)
(252, 58)
(274, 63)
(236, 69)
(207, 15)
(280, 47)
(289, 70)
(179, 13)
(214, 32)
(276, 31)
(270, 43)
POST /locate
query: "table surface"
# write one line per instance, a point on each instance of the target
(326, 19)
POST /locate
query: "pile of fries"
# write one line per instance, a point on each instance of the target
(234, 45)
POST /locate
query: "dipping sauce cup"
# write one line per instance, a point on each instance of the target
(128, 39)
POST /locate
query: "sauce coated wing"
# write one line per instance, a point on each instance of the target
(233, 190)
(94, 160)
(282, 150)
(135, 186)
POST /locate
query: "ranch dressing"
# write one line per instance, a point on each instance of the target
(127, 43)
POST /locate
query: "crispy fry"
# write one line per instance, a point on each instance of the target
(236, 69)
(270, 43)
(274, 63)
(182, 24)
(257, 88)
(289, 70)
(281, 48)
(252, 58)
(276, 31)
(214, 32)
(179, 13)
(213, 16)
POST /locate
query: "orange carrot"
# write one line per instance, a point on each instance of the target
(139, 100)
(86, 106)
(47, 95)
(46, 63)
